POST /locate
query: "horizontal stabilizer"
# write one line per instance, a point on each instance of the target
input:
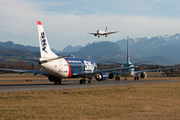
(50, 59)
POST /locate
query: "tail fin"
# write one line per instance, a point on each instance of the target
(106, 29)
(128, 55)
(43, 43)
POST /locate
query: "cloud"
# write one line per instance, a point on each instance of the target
(18, 23)
(145, 7)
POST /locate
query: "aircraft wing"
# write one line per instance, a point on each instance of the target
(138, 72)
(25, 71)
(118, 73)
(101, 71)
(92, 33)
(112, 32)
(113, 62)
(25, 59)
(143, 62)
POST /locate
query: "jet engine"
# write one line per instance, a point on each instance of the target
(143, 75)
(102, 77)
(106, 34)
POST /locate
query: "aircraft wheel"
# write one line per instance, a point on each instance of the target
(81, 81)
(59, 81)
(89, 81)
(135, 78)
(55, 82)
(118, 78)
(85, 81)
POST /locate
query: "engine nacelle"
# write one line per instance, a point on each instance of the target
(111, 75)
(143, 75)
(106, 34)
(102, 77)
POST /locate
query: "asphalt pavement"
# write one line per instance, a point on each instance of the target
(75, 84)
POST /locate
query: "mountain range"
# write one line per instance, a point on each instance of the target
(163, 49)
(168, 46)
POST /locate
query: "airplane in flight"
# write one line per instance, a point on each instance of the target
(58, 67)
(131, 72)
(100, 32)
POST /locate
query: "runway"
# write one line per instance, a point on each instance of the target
(75, 84)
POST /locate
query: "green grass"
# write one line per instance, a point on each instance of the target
(152, 101)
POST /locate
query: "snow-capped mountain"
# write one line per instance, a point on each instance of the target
(94, 42)
(167, 45)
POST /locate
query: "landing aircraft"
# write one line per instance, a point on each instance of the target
(58, 67)
(100, 32)
(131, 72)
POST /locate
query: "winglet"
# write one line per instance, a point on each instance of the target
(39, 22)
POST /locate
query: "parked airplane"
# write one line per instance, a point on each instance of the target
(57, 67)
(100, 32)
(131, 72)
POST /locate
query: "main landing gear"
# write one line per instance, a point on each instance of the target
(56, 80)
(136, 78)
(84, 81)
(117, 78)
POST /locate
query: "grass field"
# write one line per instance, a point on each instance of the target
(132, 102)
(26, 78)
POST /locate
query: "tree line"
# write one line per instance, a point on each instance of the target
(23, 65)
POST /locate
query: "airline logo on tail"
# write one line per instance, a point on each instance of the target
(43, 42)
(106, 29)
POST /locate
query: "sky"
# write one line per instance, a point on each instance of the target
(67, 22)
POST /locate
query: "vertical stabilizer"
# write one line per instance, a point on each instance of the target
(106, 29)
(128, 54)
(45, 49)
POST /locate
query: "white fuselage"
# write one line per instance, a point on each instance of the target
(58, 68)
(99, 32)
(68, 67)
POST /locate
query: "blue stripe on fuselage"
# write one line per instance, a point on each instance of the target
(126, 65)
(79, 65)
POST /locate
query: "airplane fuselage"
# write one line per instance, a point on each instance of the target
(68, 67)
(99, 32)
(128, 72)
